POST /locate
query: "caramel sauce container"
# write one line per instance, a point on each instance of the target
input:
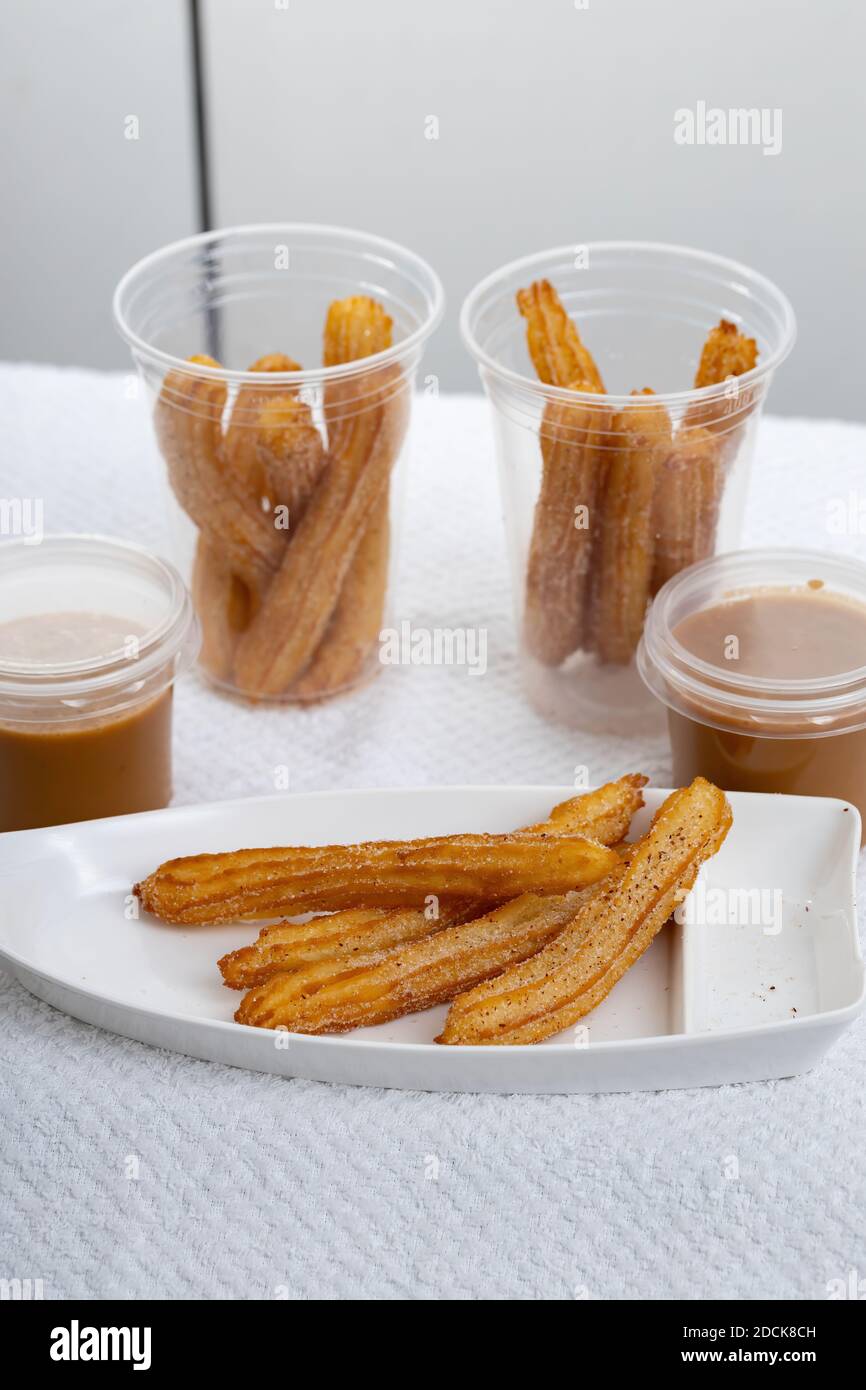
(791, 716)
(93, 633)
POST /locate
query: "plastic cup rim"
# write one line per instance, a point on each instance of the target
(672, 399)
(308, 375)
(669, 668)
(92, 676)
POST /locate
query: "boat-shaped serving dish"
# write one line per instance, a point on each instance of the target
(756, 981)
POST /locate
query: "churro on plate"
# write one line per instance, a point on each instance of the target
(246, 883)
(525, 932)
(415, 977)
(358, 935)
(568, 978)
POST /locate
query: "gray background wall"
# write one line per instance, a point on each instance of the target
(555, 126)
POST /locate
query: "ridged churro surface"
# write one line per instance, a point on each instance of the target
(605, 814)
(569, 977)
(413, 977)
(291, 565)
(245, 883)
(626, 527)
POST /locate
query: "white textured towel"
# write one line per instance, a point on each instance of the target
(249, 1186)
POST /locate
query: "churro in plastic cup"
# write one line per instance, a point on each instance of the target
(626, 381)
(279, 362)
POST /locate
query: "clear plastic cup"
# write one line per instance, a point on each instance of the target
(607, 496)
(94, 633)
(284, 481)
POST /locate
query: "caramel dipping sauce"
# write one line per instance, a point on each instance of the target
(765, 685)
(86, 690)
(788, 637)
(67, 768)
(49, 776)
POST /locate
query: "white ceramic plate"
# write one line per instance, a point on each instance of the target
(764, 996)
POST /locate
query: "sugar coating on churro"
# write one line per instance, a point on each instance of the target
(285, 599)
(246, 883)
(605, 814)
(624, 503)
(625, 542)
(569, 977)
(555, 346)
(726, 352)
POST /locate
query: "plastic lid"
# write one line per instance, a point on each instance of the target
(724, 698)
(89, 624)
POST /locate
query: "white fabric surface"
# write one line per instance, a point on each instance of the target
(254, 1187)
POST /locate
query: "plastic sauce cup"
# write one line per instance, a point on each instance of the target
(785, 711)
(94, 633)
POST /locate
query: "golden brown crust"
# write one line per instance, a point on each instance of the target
(272, 450)
(605, 814)
(558, 355)
(351, 636)
(188, 424)
(290, 455)
(726, 352)
(413, 977)
(241, 439)
(686, 506)
(556, 604)
(355, 328)
(570, 976)
(224, 887)
(623, 564)
(366, 417)
(285, 597)
(692, 479)
(560, 551)
(339, 941)
(283, 637)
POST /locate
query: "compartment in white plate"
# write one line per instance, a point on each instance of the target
(766, 935)
(697, 1009)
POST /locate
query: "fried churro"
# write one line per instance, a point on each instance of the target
(605, 814)
(270, 455)
(412, 977)
(624, 560)
(188, 423)
(291, 566)
(284, 635)
(555, 346)
(208, 888)
(555, 601)
(556, 598)
(355, 328)
(726, 353)
(338, 941)
(290, 457)
(692, 479)
(623, 502)
(686, 503)
(352, 634)
(577, 970)
(366, 417)
(241, 436)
